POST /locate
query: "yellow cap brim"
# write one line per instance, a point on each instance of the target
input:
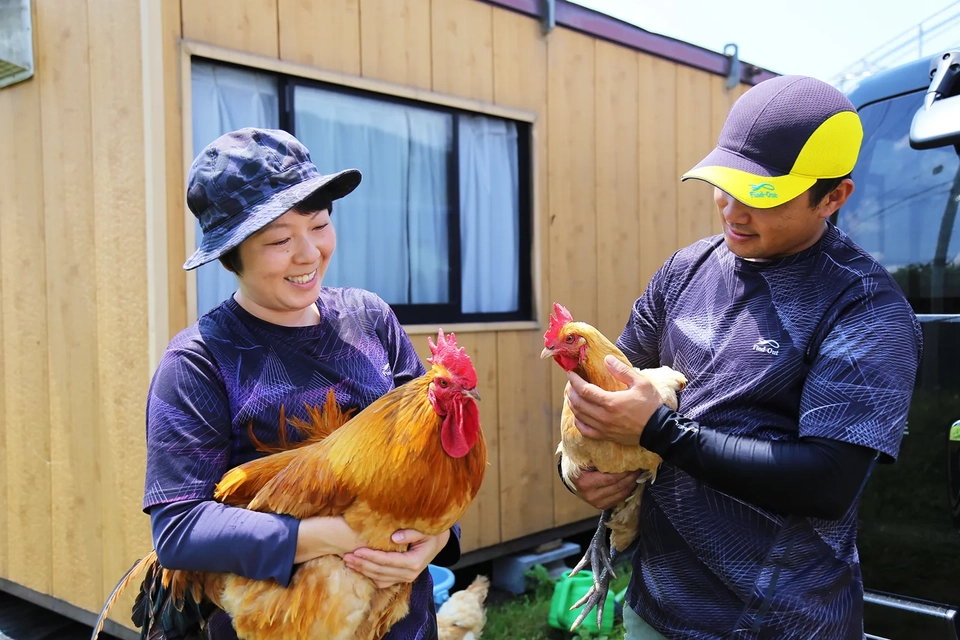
(759, 192)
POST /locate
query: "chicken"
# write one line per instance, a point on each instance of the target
(579, 347)
(462, 616)
(413, 459)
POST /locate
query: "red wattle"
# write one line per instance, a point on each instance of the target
(460, 428)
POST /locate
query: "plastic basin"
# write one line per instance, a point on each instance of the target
(442, 582)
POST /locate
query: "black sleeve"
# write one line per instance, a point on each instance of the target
(813, 477)
(450, 554)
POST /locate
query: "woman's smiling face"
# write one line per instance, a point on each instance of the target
(283, 265)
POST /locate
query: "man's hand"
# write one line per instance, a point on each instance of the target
(605, 490)
(387, 568)
(618, 416)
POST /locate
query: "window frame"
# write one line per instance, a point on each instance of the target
(416, 318)
(920, 305)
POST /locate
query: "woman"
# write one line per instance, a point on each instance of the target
(279, 343)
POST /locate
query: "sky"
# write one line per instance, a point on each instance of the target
(821, 39)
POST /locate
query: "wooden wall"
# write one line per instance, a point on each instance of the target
(74, 366)
(615, 129)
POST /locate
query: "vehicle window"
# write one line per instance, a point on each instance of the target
(903, 209)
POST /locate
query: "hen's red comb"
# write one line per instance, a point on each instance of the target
(561, 317)
(455, 359)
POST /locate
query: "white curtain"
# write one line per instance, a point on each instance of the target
(489, 214)
(392, 231)
(226, 99)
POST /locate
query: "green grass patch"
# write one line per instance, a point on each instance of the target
(524, 617)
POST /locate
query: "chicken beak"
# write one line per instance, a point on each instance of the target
(546, 353)
(473, 393)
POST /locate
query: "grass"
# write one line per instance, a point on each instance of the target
(524, 617)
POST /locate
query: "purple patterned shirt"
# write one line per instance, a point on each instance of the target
(231, 369)
(820, 344)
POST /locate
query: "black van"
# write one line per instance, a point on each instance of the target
(904, 212)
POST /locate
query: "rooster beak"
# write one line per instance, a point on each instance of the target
(546, 353)
(473, 393)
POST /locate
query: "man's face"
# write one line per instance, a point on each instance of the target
(780, 231)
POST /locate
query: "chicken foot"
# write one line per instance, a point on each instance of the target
(600, 558)
(596, 596)
(598, 552)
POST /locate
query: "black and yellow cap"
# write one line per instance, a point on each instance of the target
(780, 137)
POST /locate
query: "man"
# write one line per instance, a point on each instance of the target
(801, 354)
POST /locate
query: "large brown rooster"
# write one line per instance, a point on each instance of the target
(413, 459)
(581, 348)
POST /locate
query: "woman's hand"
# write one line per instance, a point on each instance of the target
(323, 537)
(387, 568)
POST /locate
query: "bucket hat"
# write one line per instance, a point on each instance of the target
(246, 179)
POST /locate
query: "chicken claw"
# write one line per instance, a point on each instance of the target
(599, 556)
(598, 553)
(595, 597)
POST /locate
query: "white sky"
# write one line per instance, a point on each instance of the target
(821, 39)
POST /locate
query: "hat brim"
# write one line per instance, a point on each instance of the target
(749, 182)
(219, 241)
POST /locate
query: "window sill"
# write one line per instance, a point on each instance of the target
(472, 327)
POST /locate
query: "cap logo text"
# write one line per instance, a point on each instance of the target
(763, 190)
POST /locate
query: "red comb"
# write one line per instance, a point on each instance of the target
(561, 317)
(454, 359)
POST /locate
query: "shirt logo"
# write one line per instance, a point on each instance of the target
(763, 190)
(767, 346)
(386, 371)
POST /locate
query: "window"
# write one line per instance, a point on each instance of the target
(440, 227)
(904, 207)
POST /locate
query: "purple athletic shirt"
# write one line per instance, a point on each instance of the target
(231, 369)
(818, 344)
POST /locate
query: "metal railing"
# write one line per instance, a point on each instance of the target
(938, 32)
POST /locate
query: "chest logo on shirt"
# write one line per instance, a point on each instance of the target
(767, 346)
(386, 371)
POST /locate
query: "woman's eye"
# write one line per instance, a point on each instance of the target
(280, 242)
(320, 227)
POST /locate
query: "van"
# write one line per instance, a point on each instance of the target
(903, 211)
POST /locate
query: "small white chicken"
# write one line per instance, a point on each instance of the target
(462, 616)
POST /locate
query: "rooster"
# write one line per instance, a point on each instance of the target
(463, 615)
(413, 459)
(581, 348)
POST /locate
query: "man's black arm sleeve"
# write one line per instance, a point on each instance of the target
(813, 477)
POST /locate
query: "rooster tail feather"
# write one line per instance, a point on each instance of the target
(171, 605)
(148, 561)
(321, 424)
(239, 486)
(480, 586)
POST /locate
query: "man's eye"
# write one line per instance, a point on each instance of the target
(280, 242)
(320, 227)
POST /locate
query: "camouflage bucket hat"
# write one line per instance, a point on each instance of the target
(246, 179)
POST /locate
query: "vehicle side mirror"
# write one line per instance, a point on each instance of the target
(937, 123)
